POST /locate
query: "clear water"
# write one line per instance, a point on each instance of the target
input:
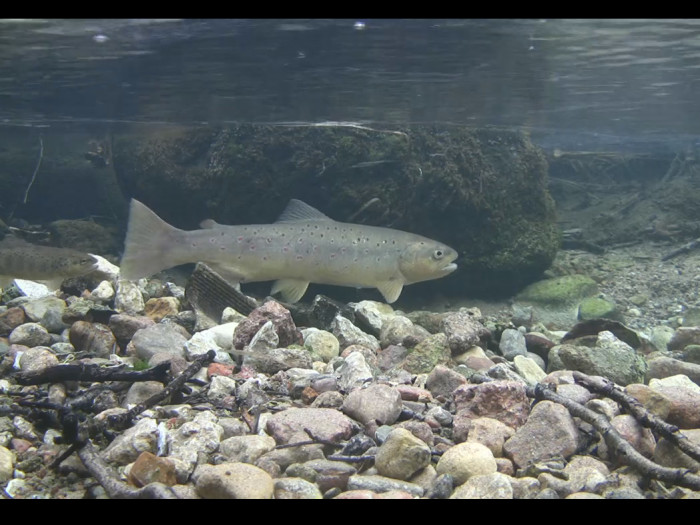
(574, 84)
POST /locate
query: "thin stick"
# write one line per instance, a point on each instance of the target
(36, 170)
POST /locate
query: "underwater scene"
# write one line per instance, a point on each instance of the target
(349, 259)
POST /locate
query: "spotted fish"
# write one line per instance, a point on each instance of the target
(22, 260)
(301, 247)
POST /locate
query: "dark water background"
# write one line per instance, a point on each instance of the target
(631, 85)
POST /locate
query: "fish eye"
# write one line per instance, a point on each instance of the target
(438, 254)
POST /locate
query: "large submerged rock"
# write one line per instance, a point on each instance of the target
(481, 191)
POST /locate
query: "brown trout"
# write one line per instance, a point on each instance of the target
(303, 246)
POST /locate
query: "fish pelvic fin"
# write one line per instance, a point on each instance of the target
(291, 289)
(390, 290)
(149, 244)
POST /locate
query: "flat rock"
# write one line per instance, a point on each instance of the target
(505, 401)
(159, 338)
(246, 449)
(380, 484)
(325, 424)
(663, 366)
(610, 358)
(129, 445)
(485, 486)
(377, 403)
(549, 431)
(233, 481)
(442, 381)
(296, 488)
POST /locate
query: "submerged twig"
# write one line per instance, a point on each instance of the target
(626, 453)
(36, 170)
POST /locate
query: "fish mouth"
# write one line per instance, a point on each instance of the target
(449, 268)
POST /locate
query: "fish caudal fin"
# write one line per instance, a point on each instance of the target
(149, 245)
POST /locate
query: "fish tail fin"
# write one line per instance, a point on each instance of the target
(150, 243)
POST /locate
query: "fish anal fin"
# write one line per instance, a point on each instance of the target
(291, 289)
(230, 275)
(390, 290)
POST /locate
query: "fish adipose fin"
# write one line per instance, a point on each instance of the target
(149, 243)
(390, 290)
(291, 289)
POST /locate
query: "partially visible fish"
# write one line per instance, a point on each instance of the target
(302, 247)
(22, 260)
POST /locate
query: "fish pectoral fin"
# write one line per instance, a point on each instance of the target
(390, 290)
(291, 289)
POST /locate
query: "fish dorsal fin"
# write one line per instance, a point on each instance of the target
(298, 210)
(210, 224)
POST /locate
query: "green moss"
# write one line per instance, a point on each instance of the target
(597, 308)
(559, 291)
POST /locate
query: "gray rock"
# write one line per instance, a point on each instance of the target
(442, 381)
(528, 369)
(324, 424)
(353, 372)
(465, 460)
(128, 298)
(47, 311)
(202, 435)
(485, 486)
(549, 431)
(669, 455)
(201, 342)
(140, 392)
(159, 338)
(399, 330)
(371, 315)
(128, 445)
(296, 488)
(525, 488)
(401, 455)
(381, 484)
(348, 334)
(265, 339)
(221, 387)
(246, 449)
(512, 343)
(30, 334)
(325, 473)
(376, 403)
(233, 481)
(662, 366)
(276, 359)
(610, 358)
(462, 331)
